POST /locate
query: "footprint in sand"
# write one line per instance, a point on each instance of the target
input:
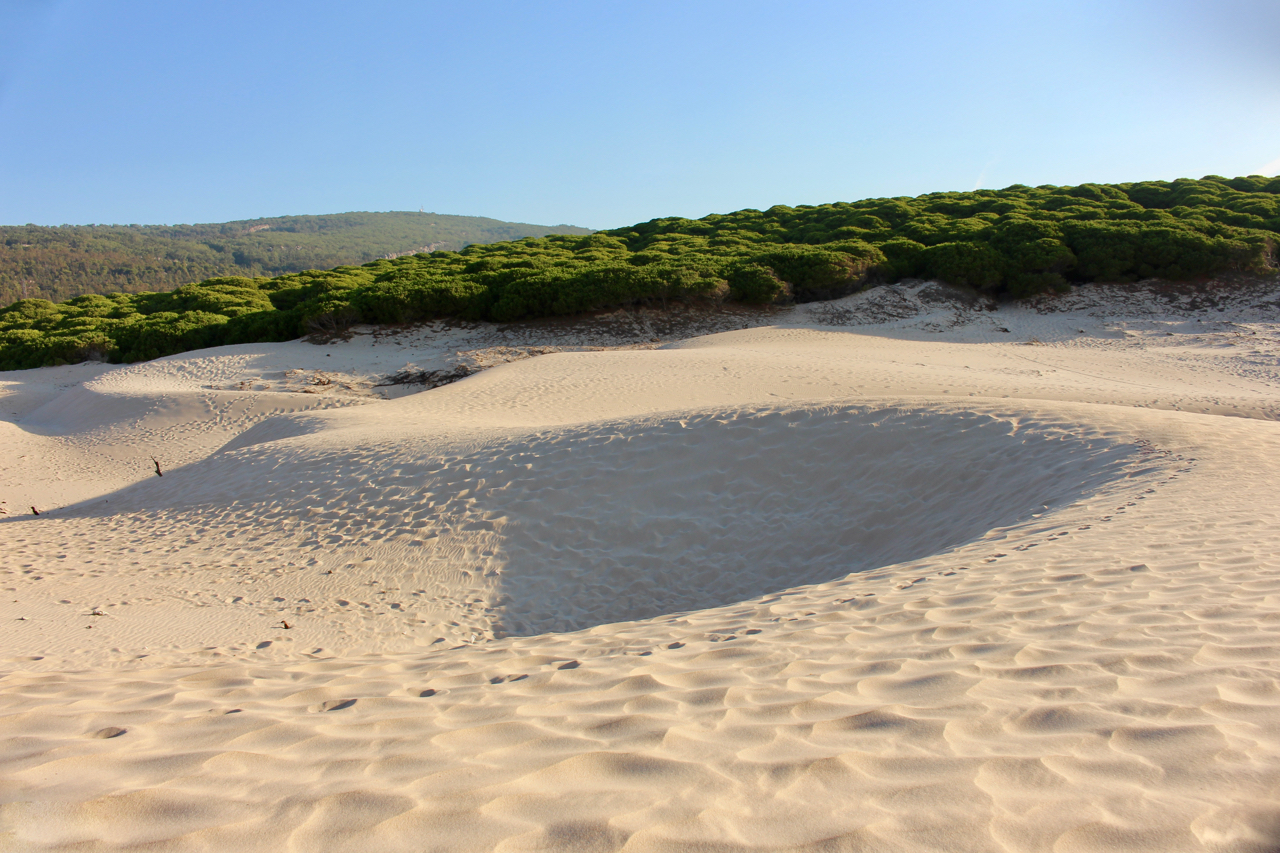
(108, 732)
(332, 705)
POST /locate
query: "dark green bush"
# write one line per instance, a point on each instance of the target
(968, 264)
(817, 273)
(1124, 251)
(165, 333)
(577, 290)
(904, 258)
(754, 284)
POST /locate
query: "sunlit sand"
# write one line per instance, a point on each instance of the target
(892, 573)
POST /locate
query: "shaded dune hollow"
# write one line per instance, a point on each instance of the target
(567, 528)
(697, 512)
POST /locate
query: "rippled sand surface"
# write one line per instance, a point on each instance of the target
(889, 574)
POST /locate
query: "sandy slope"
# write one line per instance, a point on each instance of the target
(953, 580)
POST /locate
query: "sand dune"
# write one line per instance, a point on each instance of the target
(954, 580)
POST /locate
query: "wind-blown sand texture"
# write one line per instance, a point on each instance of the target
(895, 573)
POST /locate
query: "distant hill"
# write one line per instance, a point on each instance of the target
(58, 263)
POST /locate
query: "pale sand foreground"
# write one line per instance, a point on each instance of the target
(963, 580)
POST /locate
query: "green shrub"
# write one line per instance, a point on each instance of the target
(816, 273)
(1111, 251)
(578, 290)
(755, 284)
(968, 264)
(904, 258)
(165, 333)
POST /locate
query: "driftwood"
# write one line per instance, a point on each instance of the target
(429, 378)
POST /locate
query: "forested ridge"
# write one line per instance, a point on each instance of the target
(59, 263)
(1008, 243)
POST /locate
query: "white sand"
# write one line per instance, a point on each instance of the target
(956, 580)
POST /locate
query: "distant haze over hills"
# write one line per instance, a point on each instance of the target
(58, 263)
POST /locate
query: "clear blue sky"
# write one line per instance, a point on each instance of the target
(607, 113)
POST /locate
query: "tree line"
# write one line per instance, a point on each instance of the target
(1009, 244)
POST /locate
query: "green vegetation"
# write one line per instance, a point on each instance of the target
(1009, 243)
(61, 263)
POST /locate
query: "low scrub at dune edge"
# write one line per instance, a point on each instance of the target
(1008, 243)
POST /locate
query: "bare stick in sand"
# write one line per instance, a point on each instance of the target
(156, 462)
(35, 511)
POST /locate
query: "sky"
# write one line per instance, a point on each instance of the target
(604, 114)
